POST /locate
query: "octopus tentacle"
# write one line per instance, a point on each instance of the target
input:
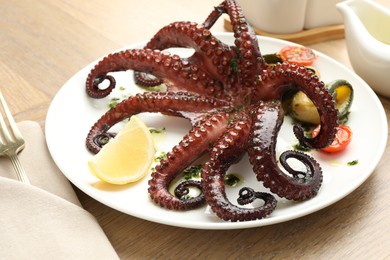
(283, 77)
(149, 102)
(146, 80)
(193, 145)
(210, 52)
(225, 152)
(250, 61)
(267, 120)
(173, 69)
(214, 15)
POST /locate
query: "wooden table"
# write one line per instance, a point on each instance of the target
(43, 43)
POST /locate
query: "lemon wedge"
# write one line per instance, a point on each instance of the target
(126, 158)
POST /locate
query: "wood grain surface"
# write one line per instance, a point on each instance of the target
(43, 43)
(305, 37)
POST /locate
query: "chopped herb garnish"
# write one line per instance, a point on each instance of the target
(352, 163)
(232, 180)
(113, 104)
(157, 131)
(234, 65)
(193, 172)
(301, 148)
(160, 157)
(106, 127)
(103, 139)
(122, 88)
(186, 197)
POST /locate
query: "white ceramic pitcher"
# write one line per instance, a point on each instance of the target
(367, 34)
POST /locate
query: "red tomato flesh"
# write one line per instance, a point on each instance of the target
(342, 139)
(298, 54)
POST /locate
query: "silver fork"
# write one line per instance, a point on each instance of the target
(11, 142)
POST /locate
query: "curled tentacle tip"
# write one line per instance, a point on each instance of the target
(95, 141)
(246, 196)
(94, 89)
(183, 189)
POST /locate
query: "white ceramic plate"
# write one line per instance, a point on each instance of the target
(72, 113)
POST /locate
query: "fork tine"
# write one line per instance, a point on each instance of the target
(11, 146)
(3, 127)
(15, 130)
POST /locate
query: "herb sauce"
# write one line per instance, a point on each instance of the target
(353, 163)
(232, 180)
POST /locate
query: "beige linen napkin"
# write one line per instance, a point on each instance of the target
(44, 220)
(41, 170)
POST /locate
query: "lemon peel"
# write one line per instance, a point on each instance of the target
(127, 157)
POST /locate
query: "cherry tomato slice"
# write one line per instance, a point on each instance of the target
(342, 139)
(298, 54)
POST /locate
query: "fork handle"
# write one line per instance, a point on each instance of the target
(20, 172)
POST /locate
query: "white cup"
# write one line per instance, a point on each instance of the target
(275, 16)
(290, 16)
(322, 13)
